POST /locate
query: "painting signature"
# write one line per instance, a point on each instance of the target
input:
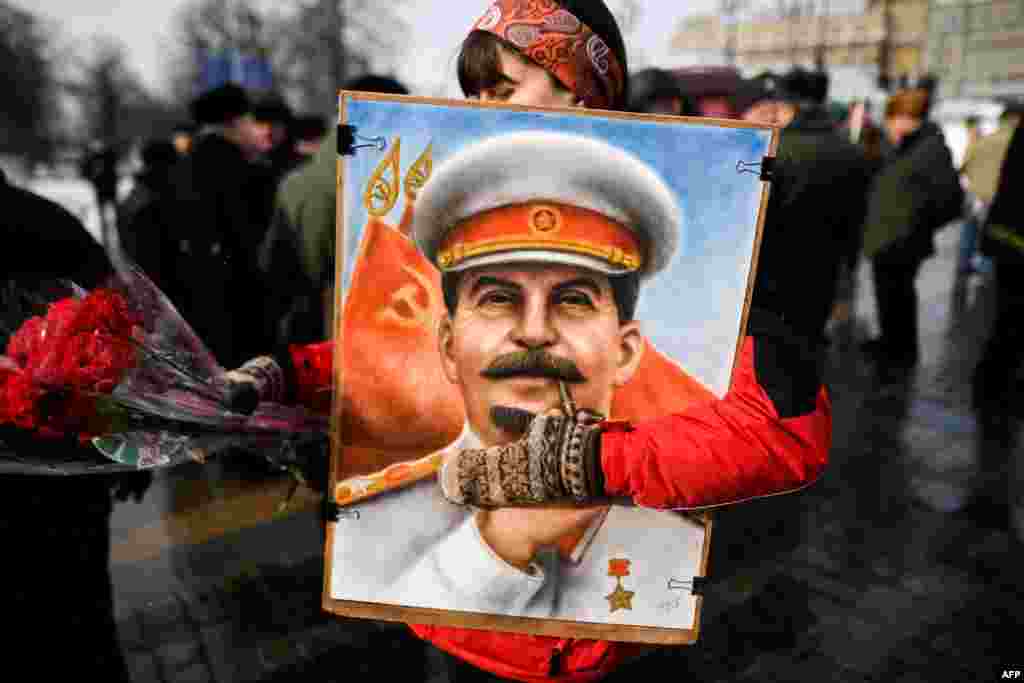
(669, 605)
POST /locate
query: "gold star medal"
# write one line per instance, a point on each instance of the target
(620, 598)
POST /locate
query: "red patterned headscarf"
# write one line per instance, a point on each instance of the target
(555, 39)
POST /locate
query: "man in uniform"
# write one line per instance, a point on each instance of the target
(817, 203)
(541, 272)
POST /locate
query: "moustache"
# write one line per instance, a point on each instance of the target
(534, 363)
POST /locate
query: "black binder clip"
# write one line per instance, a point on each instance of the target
(347, 137)
(765, 168)
(678, 584)
(696, 585)
(335, 513)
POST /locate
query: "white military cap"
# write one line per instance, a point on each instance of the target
(549, 197)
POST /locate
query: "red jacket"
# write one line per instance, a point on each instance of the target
(770, 434)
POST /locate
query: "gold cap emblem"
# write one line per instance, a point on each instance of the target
(545, 219)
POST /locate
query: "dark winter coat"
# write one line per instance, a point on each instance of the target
(46, 243)
(298, 252)
(147, 231)
(916, 193)
(815, 211)
(222, 217)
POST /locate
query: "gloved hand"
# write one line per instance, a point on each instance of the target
(260, 379)
(559, 458)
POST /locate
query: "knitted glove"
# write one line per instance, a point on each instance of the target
(260, 379)
(558, 458)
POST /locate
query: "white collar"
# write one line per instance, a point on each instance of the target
(467, 438)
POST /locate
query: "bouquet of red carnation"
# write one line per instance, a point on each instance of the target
(117, 368)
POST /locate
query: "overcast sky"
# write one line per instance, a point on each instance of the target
(437, 26)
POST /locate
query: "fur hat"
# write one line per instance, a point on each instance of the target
(648, 85)
(220, 105)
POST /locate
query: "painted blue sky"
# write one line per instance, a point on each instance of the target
(692, 310)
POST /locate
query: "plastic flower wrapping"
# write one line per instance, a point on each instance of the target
(120, 372)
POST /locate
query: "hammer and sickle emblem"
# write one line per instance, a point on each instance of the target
(404, 308)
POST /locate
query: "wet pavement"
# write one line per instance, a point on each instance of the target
(872, 574)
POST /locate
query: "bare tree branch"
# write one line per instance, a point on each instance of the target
(117, 108)
(29, 115)
(314, 46)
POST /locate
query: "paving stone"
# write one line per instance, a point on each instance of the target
(819, 557)
(854, 643)
(178, 656)
(129, 632)
(776, 667)
(280, 652)
(217, 647)
(206, 608)
(160, 619)
(142, 667)
(196, 673)
(334, 634)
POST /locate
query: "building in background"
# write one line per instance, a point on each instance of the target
(866, 46)
(976, 47)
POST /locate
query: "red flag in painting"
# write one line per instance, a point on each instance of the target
(395, 393)
(659, 387)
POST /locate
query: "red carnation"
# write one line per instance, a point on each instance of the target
(107, 311)
(82, 346)
(87, 343)
(21, 343)
(60, 316)
(314, 365)
(18, 399)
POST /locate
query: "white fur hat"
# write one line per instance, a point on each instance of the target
(550, 197)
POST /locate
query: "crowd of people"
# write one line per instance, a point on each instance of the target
(243, 196)
(881, 192)
(202, 203)
(849, 188)
(214, 211)
(234, 217)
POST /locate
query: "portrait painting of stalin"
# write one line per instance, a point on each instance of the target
(544, 241)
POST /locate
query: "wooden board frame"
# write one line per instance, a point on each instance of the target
(547, 627)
